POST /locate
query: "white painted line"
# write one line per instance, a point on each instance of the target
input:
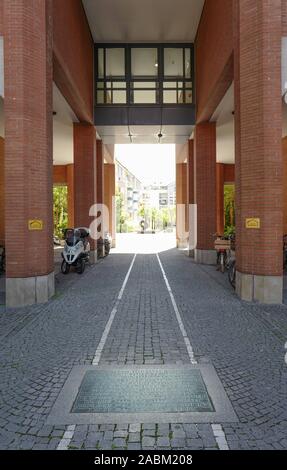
(180, 322)
(101, 345)
(220, 436)
(69, 433)
(67, 437)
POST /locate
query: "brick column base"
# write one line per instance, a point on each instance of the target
(29, 290)
(264, 289)
(205, 256)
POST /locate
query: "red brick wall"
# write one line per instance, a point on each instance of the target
(258, 144)
(28, 136)
(100, 173)
(109, 193)
(190, 172)
(229, 173)
(205, 191)
(181, 198)
(84, 174)
(1, 17)
(59, 174)
(284, 152)
(284, 18)
(73, 56)
(2, 193)
(214, 47)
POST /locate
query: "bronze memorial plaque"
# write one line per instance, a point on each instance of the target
(142, 390)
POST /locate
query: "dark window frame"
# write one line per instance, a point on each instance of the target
(129, 79)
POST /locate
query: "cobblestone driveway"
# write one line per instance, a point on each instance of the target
(245, 343)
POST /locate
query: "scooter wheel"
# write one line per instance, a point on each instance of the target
(81, 266)
(65, 267)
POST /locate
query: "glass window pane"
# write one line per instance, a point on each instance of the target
(180, 96)
(187, 63)
(119, 97)
(117, 85)
(173, 62)
(170, 85)
(170, 96)
(144, 96)
(188, 96)
(144, 62)
(188, 84)
(115, 62)
(100, 85)
(144, 84)
(108, 97)
(100, 97)
(101, 63)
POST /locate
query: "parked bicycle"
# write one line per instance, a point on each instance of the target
(285, 252)
(222, 247)
(232, 273)
(225, 248)
(2, 259)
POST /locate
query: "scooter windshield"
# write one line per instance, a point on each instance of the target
(72, 237)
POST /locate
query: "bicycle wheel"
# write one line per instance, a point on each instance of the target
(222, 262)
(232, 273)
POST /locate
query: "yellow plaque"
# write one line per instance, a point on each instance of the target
(35, 224)
(252, 223)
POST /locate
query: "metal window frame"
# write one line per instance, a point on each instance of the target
(129, 79)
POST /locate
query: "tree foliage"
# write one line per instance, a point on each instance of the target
(60, 207)
(229, 209)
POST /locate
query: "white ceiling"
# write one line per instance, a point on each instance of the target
(181, 152)
(223, 115)
(144, 134)
(143, 20)
(62, 129)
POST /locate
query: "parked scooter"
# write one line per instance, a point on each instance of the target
(76, 250)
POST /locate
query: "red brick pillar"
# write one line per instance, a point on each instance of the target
(191, 199)
(181, 202)
(258, 127)
(109, 199)
(205, 191)
(220, 198)
(28, 151)
(85, 189)
(100, 186)
(284, 156)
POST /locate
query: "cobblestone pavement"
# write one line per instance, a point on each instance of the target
(245, 343)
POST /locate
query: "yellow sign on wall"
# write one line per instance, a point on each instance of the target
(35, 224)
(252, 223)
